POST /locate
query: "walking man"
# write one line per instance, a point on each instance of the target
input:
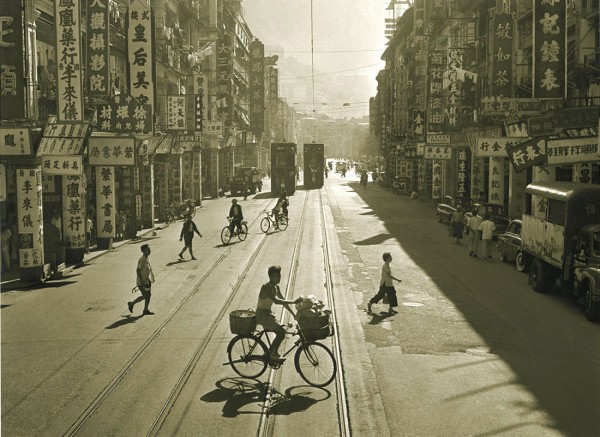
(386, 286)
(473, 225)
(187, 235)
(487, 228)
(144, 280)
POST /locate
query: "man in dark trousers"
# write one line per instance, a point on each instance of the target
(236, 215)
(144, 280)
(187, 235)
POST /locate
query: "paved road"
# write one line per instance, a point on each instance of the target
(473, 351)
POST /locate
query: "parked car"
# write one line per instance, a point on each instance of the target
(401, 185)
(448, 205)
(497, 215)
(341, 165)
(509, 245)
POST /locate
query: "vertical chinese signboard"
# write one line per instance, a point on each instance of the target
(464, 178)
(436, 91)
(502, 54)
(30, 216)
(200, 101)
(453, 100)
(98, 77)
(257, 87)
(140, 53)
(73, 211)
(176, 112)
(12, 77)
(437, 179)
(496, 181)
(224, 75)
(549, 49)
(105, 202)
(69, 80)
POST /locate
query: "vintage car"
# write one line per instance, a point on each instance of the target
(402, 185)
(341, 166)
(497, 215)
(509, 245)
(448, 205)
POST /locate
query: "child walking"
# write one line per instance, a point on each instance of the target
(386, 286)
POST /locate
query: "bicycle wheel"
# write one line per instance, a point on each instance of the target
(283, 223)
(247, 356)
(265, 224)
(225, 235)
(315, 364)
(243, 233)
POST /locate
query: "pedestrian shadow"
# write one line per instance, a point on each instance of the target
(371, 241)
(124, 321)
(179, 261)
(378, 318)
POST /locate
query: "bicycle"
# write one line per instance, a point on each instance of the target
(169, 214)
(226, 235)
(249, 355)
(281, 223)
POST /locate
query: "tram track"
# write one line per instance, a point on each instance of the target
(114, 383)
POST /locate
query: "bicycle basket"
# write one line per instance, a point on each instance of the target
(315, 322)
(242, 322)
(318, 333)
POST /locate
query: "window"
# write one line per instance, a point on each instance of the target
(556, 211)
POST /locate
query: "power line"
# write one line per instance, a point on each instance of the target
(325, 51)
(333, 72)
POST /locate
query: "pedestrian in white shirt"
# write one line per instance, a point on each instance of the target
(487, 228)
(386, 286)
(474, 233)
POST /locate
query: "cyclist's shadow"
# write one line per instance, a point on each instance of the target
(238, 393)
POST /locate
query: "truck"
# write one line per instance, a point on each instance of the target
(561, 240)
(246, 178)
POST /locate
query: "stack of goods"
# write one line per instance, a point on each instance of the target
(314, 321)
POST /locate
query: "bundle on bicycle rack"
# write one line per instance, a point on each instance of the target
(242, 322)
(314, 321)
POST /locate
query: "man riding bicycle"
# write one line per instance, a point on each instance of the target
(236, 216)
(269, 294)
(281, 206)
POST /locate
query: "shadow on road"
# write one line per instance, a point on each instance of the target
(378, 318)
(124, 321)
(375, 240)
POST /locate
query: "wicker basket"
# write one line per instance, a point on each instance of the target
(319, 333)
(307, 323)
(242, 322)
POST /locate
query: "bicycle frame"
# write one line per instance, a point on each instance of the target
(301, 340)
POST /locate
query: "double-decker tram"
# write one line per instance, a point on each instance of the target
(283, 168)
(314, 162)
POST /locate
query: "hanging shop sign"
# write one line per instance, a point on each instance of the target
(437, 152)
(488, 147)
(105, 202)
(224, 102)
(12, 76)
(549, 49)
(506, 105)
(435, 109)
(438, 139)
(463, 176)
(198, 113)
(496, 181)
(111, 151)
(30, 216)
(69, 65)
(140, 52)
(454, 90)
(124, 113)
(527, 153)
(569, 151)
(503, 25)
(73, 211)
(257, 87)
(200, 101)
(214, 128)
(62, 165)
(98, 74)
(437, 179)
(62, 138)
(15, 141)
(410, 152)
(176, 112)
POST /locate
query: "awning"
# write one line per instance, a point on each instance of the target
(62, 139)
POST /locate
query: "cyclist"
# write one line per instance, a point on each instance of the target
(279, 206)
(270, 294)
(236, 215)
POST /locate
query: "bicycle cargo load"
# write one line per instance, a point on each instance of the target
(318, 326)
(242, 321)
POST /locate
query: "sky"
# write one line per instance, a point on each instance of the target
(348, 41)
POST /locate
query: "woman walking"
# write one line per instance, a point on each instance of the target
(386, 286)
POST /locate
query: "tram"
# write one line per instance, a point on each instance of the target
(283, 168)
(314, 160)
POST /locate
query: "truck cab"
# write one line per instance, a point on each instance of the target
(586, 270)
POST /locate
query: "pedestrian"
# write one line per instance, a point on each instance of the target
(187, 235)
(326, 172)
(5, 237)
(364, 177)
(119, 225)
(487, 228)
(457, 224)
(236, 215)
(270, 294)
(144, 280)
(344, 171)
(474, 233)
(88, 234)
(386, 286)
(57, 222)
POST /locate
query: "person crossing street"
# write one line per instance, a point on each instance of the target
(187, 235)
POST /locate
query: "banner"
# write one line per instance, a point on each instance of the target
(12, 75)
(257, 87)
(503, 25)
(30, 216)
(98, 74)
(15, 141)
(549, 49)
(105, 202)
(569, 151)
(62, 165)
(224, 101)
(200, 101)
(454, 90)
(116, 151)
(73, 211)
(176, 112)
(140, 53)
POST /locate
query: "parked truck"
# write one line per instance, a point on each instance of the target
(561, 240)
(246, 178)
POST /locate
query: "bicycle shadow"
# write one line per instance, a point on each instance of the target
(239, 393)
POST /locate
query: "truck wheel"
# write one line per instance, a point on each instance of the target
(539, 276)
(592, 309)
(522, 262)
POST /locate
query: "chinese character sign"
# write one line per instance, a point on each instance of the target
(15, 141)
(496, 181)
(98, 76)
(105, 202)
(437, 179)
(224, 101)
(214, 128)
(503, 28)
(123, 113)
(454, 64)
(527, 153)
(62, 165)
(12, 77)
(30, 216)
(111, 151)
(549, 49)
(140, 53)
(257, 87)
(435, 110)
(74, 211)
(69, 98)
(569, 151)
(494, 146)
(176, 112)
(437, 152)
(463, 174)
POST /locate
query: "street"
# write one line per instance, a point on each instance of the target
(473, 351)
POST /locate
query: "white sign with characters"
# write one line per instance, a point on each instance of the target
(62, 165)
(490, 147)
(15, 141)
(30, 216)
(111, 151)
(105, 202)
(437, 152)
(572, 150)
